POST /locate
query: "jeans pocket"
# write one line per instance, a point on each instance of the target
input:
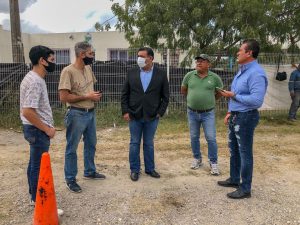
(30, 134)
(43, 138)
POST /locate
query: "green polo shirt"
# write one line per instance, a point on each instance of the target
(201, 91)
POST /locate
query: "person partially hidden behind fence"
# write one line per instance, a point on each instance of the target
(294, 88)
(145, 97)
(36, 113)
(200, 87)
(76, 89)
(247, 93)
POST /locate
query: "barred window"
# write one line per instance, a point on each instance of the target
(62, 56)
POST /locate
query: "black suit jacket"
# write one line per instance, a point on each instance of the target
(148, 104)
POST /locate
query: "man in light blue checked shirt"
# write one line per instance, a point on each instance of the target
(246, 96)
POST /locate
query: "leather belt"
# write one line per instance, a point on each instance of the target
(200, 111)
(81, 109)
(237, 112)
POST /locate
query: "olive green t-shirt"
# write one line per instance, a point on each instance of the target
(78, 82)
(201, 91)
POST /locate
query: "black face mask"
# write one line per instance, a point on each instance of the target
(51, 66)
(88, 60)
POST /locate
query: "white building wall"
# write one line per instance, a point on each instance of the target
(101, 41)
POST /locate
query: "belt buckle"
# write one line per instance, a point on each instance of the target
(86, 109)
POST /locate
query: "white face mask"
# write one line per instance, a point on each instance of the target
(141, 62)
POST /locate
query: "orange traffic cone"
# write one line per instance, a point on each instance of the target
(45, 211)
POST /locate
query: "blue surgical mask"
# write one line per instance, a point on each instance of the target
(141, 62)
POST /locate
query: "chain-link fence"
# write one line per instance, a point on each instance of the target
(110, 76)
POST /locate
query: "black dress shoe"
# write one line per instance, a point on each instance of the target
(153, 174)
(134, 176)
(228, 183)
(239, 194)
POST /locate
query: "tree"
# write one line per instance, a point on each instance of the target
(214, 26)
(286, 22)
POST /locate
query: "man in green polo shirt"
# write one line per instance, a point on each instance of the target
(201, 88)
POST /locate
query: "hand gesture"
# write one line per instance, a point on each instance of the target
(50, 132)
(126, 117)
(226, 119)
(227, 94)
(94, 96)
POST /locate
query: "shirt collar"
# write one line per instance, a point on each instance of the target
(208, 73)
(246, 66)
(149, 71)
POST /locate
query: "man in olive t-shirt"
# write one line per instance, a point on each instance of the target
(76, 89)
(200, 87)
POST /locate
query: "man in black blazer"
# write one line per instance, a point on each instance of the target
(145, 97)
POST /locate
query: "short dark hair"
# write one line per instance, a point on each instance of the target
(38, 52)
(148, 50)
(252, 45)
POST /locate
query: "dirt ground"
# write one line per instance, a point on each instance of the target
(181, 196)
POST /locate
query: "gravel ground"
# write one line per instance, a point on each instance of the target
(181, 196)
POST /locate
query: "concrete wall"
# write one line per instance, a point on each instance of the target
(101, 41)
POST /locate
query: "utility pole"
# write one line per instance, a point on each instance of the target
(16, 39)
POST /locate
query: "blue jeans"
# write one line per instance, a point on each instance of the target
(147, 129)
(207, 120)
(80, 123)
(39, 143)
(241, 132)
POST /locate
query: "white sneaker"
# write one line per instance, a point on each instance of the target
(31, 203)
(60, 212)
(196, 164)
(214, 169)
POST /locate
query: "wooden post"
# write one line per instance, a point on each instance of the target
(16, 39)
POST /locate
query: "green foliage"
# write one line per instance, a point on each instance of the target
(200, 26)
(284, 26)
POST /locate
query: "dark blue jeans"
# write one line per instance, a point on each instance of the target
(39, 143)
(78, 124)
(147, 129)
(241, 132)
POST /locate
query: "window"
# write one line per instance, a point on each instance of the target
(121, 54)
(62, 56)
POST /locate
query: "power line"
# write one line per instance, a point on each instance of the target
(110, 18)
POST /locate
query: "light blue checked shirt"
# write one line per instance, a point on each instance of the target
(250, 86)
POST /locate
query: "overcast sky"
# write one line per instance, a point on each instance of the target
(59, 16)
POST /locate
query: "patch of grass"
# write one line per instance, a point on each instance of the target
(172, 123)
(110, 116)
(10, 120)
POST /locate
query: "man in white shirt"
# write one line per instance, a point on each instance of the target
(36, 113)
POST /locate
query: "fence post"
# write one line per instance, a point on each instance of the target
(168, 71)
